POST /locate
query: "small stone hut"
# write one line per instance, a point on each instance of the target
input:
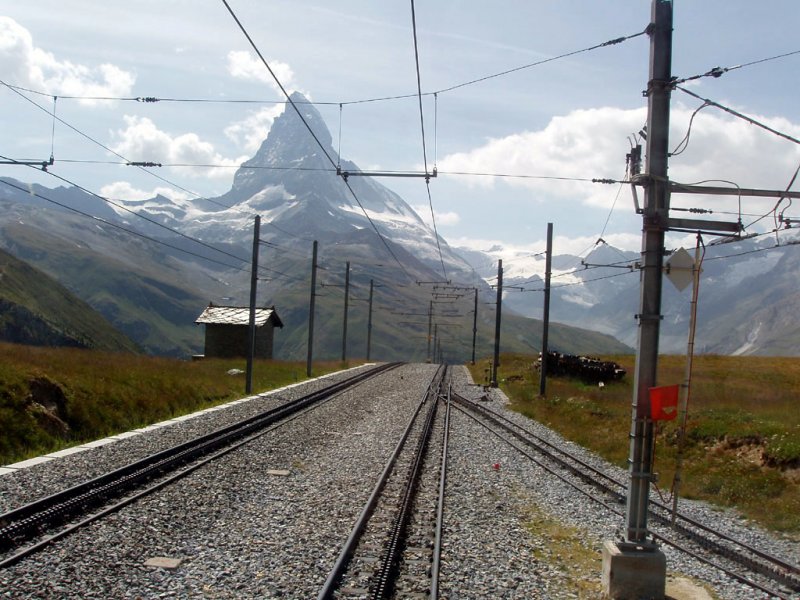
(227, 330)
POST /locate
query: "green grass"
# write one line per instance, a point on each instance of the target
(742, 445)
(107, 393)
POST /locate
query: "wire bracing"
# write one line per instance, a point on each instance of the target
(424, 147)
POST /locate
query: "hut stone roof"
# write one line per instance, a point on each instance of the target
(235, 315)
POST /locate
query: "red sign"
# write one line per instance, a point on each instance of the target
(664, 402)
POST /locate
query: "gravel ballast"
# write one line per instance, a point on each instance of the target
(268, 520)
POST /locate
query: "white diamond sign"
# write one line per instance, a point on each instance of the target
(679, 269)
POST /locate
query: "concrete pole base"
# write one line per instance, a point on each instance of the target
(633, 574)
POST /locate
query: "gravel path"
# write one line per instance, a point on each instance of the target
(268, 521)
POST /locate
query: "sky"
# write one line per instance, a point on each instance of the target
(570, 118)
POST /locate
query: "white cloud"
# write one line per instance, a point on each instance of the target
(579, 245)
(141, 140)
(592, 143)
(446, 219)
(22, 63)
(251, 131)
(123, 190)
(243, 65)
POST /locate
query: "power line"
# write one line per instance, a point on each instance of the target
(544, 61)
(154, 99)
(750, 120)
(141, 216)
(419, 91)
(517, 176)
(717, 72)
(279, 84)
(424, 148)
(329, 170)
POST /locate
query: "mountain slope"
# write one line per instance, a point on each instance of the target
(36, 310)
(134, 285)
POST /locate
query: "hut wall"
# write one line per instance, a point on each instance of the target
(230, 341)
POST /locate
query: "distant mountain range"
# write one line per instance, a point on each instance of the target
(748, 300)
(153, 292)
(152, 284)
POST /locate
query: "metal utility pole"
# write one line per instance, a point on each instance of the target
(636, 567)
(251, 336)
(496, 361)
(369, 320)
(654, 223)
(311, 310)
(346, 302)
(430, 321)
(435, 340)
(474, 325)
(546, 314)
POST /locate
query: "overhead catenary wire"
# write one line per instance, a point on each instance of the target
(684, 143)
(601, 180)
(742, 116)
(424, 147)
(780, 200)
(537, 63)
(717, 72)
(155, 99)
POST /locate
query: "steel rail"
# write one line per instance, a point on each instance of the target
(779, 577)
(28, 521)
(348, 549)
(776, 568)
(394, 551)
(437, 544)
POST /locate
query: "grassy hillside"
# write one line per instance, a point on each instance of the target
(35, 309)
(144, 298)
(51, 398)
(742, 436)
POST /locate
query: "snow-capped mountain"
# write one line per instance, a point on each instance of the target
(292, 183)
(749, 295)
(748, 302)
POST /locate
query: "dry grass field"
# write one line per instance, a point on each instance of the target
(51, 398)
(742, 444)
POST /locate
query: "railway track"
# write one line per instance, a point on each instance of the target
(36, 525)
(393, 548)
(684, 532)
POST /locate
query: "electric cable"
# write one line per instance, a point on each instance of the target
(684, 143)
(739, 115)
(780, 200)
(544, 61)
(125, 161)
(154, 99)
(717, 72)
(424, 148)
